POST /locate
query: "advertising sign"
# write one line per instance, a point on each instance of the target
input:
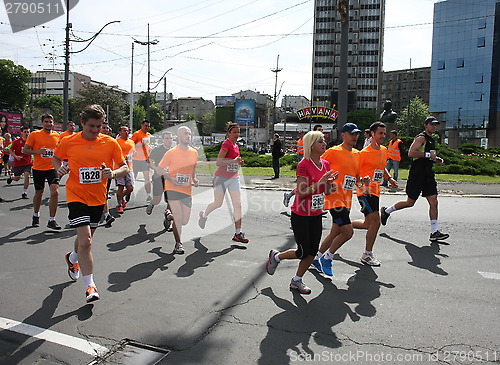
(317, 112)
(14, 121)
(224, 100)
(244, 112)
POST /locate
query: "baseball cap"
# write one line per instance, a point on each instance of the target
(431, 120)
(351, 128)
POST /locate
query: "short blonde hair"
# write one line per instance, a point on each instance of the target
(309, 139)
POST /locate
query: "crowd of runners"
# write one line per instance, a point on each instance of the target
(327, 178)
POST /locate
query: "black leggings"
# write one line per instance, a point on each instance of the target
(307, 232)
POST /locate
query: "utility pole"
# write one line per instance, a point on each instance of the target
(343, 7)
(276, 70)
(131, 110)
(66, 70)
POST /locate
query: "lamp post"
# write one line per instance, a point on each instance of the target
(148, 43)
(276, 70)
(164, 94)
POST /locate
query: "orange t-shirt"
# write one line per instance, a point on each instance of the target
(346, 163)
(142, 145)
(128, 148)
(65, 134)
(372, 163)
(181, 166)
(40, 139)
(85, 158)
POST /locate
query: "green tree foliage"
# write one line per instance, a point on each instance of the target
(14, 92)
(208, 123)
(363, 118)
(156, 117)
(139, 116)
(52, 104)
(109, 100)
(410, 121)
(143, 100)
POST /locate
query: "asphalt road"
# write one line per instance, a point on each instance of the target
(427, 303)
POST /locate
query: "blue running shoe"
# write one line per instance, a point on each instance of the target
(326, 265)
(316, 264)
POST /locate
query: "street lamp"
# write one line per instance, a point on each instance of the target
(148, 43)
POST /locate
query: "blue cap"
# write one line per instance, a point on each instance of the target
(351, 128)
(431, 120)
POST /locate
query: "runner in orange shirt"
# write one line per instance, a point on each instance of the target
(70, 130)
(88, 153)
(372, 163)
(41, 144)
(142, 140)
(343, 158)
(181, 164)
(125, 184)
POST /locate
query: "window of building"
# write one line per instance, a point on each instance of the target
(481, 42)
(441, 65)
(479, 78)
(460, 62)
(482, 24)
(478, 97)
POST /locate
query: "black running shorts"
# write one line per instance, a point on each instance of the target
(307, 232)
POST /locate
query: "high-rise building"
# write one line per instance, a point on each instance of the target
(366, 25)
(465, 70)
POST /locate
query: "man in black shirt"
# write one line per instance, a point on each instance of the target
(277, 152)
(421, 178)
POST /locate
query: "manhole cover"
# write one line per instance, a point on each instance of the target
(133, 353)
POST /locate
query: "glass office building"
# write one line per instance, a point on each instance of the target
(366, 25)
(464, 88)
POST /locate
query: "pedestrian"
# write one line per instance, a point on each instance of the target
(70, 129)
(41, 144)
(314, 180)
(300, 146)
(6, 142)
(179, 165)
(142, 140)
(289, 195)
(89, 154)
(277, 153)
(368, 138)
(421, 179)
(227, 179)
(125, 184)
(394, 153)
(158, 180)
(372, 161)
(343, 158)
(22, 162)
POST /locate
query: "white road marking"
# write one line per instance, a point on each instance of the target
(79, 344)
(490, 275)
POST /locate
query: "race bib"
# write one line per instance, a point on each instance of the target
(128, 158)
(90, 175)
(48, 153)
(349, 183)
(232, 167)
(317, 201)
(378, 176)
(145, 141)
(182, 179)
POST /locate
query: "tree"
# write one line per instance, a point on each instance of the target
(139, 114)
(14, 91)
(411, 119)
(143, 100)
(52, 104)
(156, 117)
(208, 122)
(109, 99)
(363, 118)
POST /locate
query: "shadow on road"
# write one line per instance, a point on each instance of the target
(141, 236)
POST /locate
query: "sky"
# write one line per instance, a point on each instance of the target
(213, 47)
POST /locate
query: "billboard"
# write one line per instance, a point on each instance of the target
(224, 100)
(14, 121)
(244, 112)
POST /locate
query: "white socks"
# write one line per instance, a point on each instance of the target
(89, 280)
(434, 225)
(391, 209)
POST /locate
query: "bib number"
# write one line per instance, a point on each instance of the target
(182, 179)
(128, 158)
(48, 153)
(232, 167)
(349, 183)
(317, 201)
(378, 176)
(145, 141)
(90, 175)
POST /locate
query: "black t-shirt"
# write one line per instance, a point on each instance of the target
(423, 166)
(157, 154)
(276, 151)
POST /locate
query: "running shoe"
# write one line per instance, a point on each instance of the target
(53, 225)
(179, 249)
(149, 209)
(317, 265)
(119, 209)
(73, 269)
(124, 203)
(326, 266)
(384, 216)
(35, 221)
(91, 294)
(300, 287)
(24, 196)
(202, 220)
(369, 259)
(9, 180)
(240, 237)
(109, 220)
(286, 199)
(438, 236)
(272, 264)
(167, 220)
